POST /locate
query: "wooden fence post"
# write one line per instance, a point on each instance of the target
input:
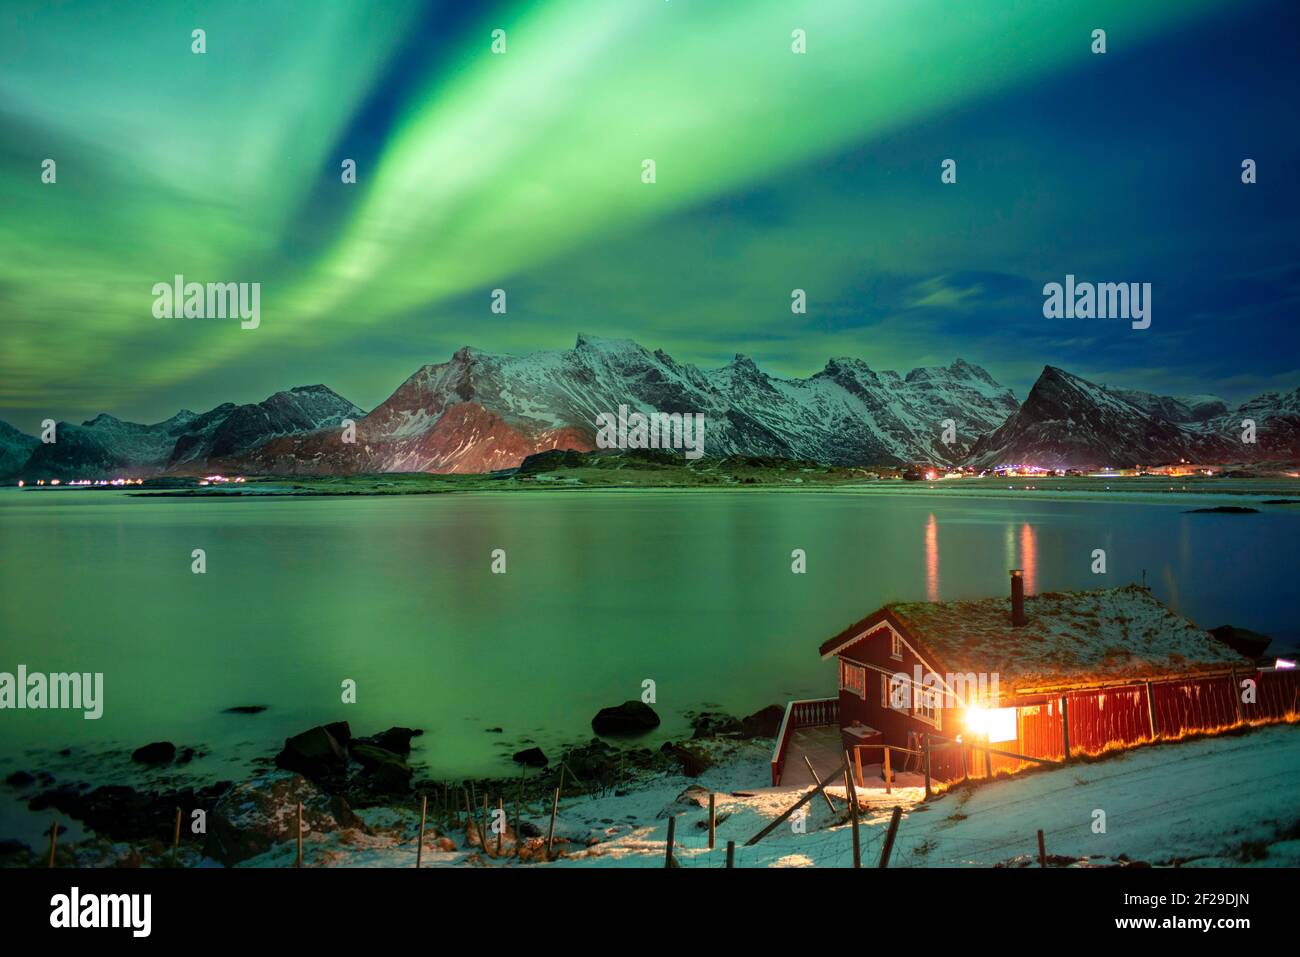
(550, 834)
(469, 818)
(501, 819)
(784, 815)
(713, 819)
(424, 810)
(928, 792)
(520, 801)
(852, 793)
(813, 774)
(857, 761)
(888, 773)
(668, 845)
(1236, 696)
(888, 849)
(484, 827)
(176, 838)
(1042, 853)
(1065, 726)
(731, 853)
(298, 862)
(988, 758)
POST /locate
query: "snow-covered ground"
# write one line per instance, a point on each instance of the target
(1223, 801)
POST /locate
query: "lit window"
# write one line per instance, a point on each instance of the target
(853, 678)
(925, 704)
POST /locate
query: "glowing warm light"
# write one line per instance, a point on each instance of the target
(992, 724)
(20, 483)
(932, 559)
(1283, 664)
(1029, 557)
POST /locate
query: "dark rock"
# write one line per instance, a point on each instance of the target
(186, 756)
(1223, 510)
(246, 709)
(160, 752)
(529, 829)
(58, 797)
(126, 814)
(692, 799)
(532, 757)
(630, 717)
(384, 770)
(493, 730)
(397, 740)
(711, 724)
(1252, 644)
(255, 816)
(315, 754)
(593, 761)
(693, 762)
(341, 731)
(20, 779)
(765, 722)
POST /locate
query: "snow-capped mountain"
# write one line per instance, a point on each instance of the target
(186, 443)
(1068, 422)
(480, 412)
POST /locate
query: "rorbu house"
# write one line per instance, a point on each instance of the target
(1038, 676)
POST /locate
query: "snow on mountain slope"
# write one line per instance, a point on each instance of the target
(303, 408)
(479, 411)
(1068, 422)
(108, 447)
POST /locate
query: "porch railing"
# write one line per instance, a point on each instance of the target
(807, 713)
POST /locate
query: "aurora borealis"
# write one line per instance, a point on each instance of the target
(522, 171)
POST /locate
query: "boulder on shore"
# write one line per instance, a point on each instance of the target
(160, 752)
(630, 717)
(693, 762)
(532, 757)
(765, 722)
(253, 817)
(396, 740)
(383, 770)
(314, 754)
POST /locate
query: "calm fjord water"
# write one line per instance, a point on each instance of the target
(604, 589)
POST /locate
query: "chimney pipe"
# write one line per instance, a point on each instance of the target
(1017, 598)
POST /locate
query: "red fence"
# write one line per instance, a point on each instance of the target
(812, 713)
(1123, 716)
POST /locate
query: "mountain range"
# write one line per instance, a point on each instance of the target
(480, 412)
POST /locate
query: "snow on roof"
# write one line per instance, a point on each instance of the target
(1070, 638)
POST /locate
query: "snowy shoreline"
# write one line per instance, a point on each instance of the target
(1218, 801)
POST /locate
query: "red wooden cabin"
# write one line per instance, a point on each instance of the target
(1116, 663)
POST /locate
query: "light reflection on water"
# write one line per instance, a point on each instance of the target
(604, 590)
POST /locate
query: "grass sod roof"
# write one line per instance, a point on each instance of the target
(1070, 638)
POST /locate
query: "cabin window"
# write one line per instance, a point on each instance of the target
(853, 678)
(894, 693)
(896, 647)
(925, 705)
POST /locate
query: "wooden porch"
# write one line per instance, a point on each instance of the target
(819, 746)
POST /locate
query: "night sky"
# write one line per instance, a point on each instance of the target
(522, 171)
